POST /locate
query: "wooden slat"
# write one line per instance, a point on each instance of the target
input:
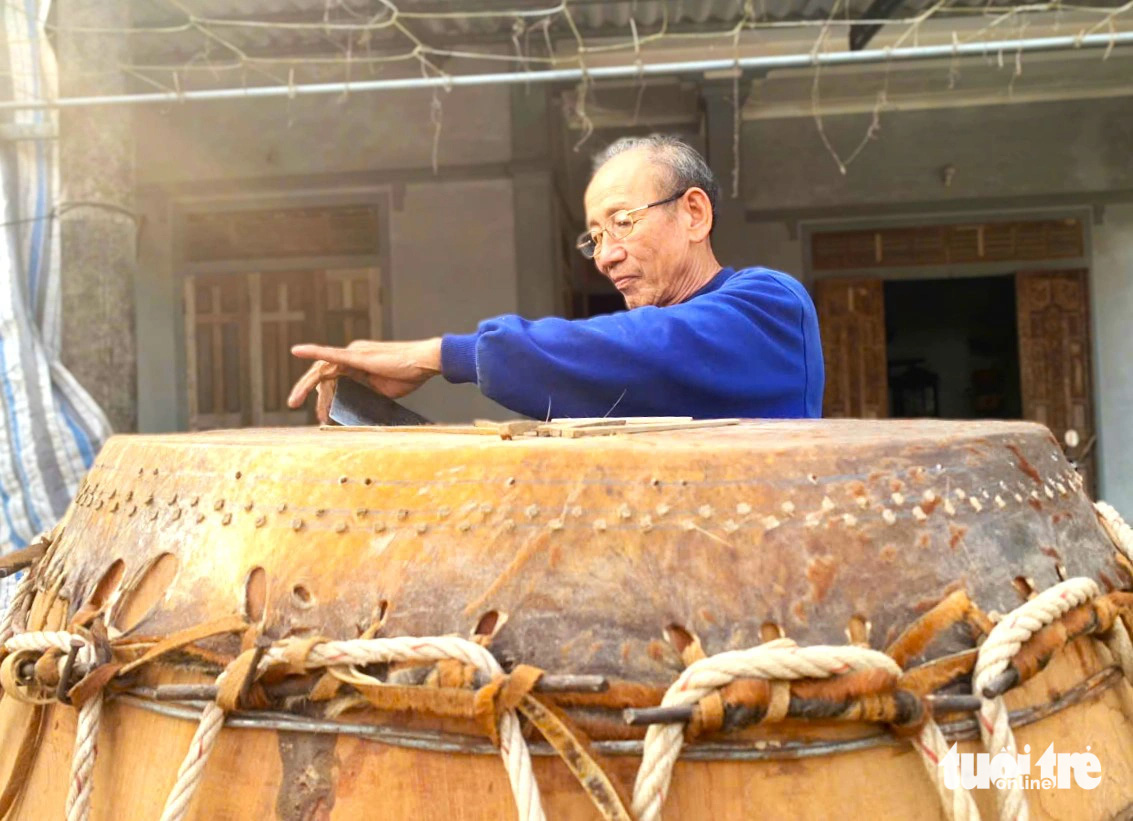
(243, 357)
(256, 348)
(282, 351)
(469, 429)
(582, 421)
(314, 320)
(217, 342)
(566, 430)
(375, 296)
(554, 428)
(571, 432)
(964, 243)
(190, 297)
(272, 390)
(204, 368)
(940, 245)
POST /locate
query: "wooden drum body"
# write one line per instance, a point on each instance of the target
(610, 563)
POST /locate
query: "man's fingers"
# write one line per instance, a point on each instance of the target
(314, 375)
(351, 358)
(312, 351)
(303, 385)
(325, 393)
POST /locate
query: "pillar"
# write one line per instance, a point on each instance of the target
(98, 229)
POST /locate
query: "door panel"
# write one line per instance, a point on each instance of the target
(216, 327)
(851, 318)
(240, 328)
(1054, 355)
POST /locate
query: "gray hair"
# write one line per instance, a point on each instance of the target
(682, 167)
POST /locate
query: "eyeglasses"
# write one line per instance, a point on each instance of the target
(619, 226)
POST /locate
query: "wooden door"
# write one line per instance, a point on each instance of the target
(851, 318)
(216, 326)
(286, 310)
(239, 331)
(1054, 356)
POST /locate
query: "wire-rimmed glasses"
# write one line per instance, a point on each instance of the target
(619, 226)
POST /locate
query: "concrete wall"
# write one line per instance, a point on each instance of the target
(450, 268)
(772, 245)
(1037, 149)
(1111, 279)
(455, 252)
(242, 139)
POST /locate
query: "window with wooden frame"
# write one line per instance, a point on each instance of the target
(240, 324)
(947, 244)
(240, 328)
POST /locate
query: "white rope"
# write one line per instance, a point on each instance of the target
(193, 766)
(41, 640)
(930, 744)
(86, 733)
(513, 749)
(82, 761)
(1119, 530)
(1120, 647)
(61, 640)
(778, 660)
(996, 653)
(360, 652)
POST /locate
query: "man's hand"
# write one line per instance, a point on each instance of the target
(390, 368)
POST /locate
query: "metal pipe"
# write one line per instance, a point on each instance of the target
(745, 750)
(549, 683)
(681, 714)
(764, 63)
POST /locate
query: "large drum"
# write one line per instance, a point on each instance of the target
(664, 620)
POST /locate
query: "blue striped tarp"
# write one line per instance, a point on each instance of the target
(50, 428)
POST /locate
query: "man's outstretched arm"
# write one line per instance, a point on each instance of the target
(733, 354)
(702, 360)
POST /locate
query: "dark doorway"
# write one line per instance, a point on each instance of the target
(953, 348)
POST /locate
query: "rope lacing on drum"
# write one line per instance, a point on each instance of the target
(1119, 530)
(1003, 645)
(779, 660)
(762, 681)
(359, 653)
(58, 654)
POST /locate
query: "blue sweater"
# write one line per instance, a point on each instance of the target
(746, 344)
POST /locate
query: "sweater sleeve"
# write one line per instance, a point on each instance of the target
(737, 351)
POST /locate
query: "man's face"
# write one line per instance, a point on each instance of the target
(645, 265)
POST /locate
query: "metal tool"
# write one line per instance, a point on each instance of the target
(354, 404)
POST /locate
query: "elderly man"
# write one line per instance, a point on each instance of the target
(698, 340)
